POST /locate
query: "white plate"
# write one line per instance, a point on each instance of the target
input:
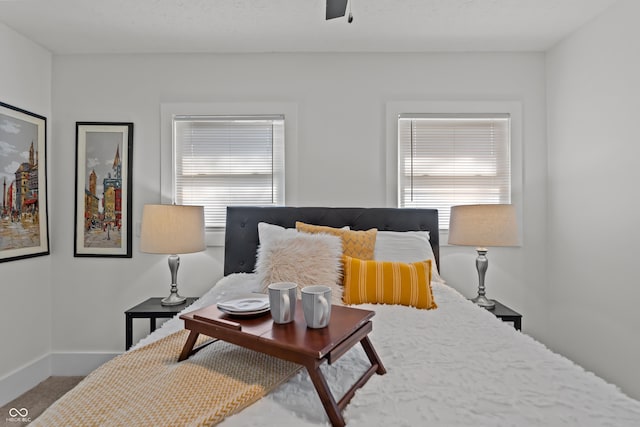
(245, 304)
(244, 313)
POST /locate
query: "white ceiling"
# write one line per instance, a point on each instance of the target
(164, 26)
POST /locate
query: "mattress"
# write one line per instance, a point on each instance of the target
(457, 365)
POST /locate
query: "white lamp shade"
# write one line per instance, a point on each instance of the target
(483, 225)
(172, 229)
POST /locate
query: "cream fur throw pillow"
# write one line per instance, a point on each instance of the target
(305, 259)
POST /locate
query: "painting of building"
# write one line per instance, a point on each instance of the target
(20, 210)
(103, 191)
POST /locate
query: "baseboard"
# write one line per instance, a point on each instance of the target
(60, 364)
(23, 379)
(77, 364)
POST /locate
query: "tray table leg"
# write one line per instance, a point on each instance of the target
(329, 403)
(188, 345)
(372, 355)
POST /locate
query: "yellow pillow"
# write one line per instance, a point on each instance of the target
(387, 282)
(357, 244)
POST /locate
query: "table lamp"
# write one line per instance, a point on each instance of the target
(482, 226)
(172, 230)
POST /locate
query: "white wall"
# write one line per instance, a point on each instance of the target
(25, 291)
(341, 161)
(594, 207)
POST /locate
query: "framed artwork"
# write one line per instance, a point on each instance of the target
(24, 230)
(104, 170)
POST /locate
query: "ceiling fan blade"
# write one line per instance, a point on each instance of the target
(336, 8)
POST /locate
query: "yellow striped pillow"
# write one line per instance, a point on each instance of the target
(387, 282)
(357, 244)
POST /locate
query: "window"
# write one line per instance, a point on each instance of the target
(228, 160)
(451, 159)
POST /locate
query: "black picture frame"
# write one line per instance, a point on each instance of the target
(103, 189)
(24, 219)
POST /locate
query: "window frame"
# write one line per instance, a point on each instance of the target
(395, 108)
(215, 237)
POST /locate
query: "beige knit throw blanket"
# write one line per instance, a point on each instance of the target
(148, 387)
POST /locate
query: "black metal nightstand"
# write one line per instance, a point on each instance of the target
(151, 309)
(506, 314)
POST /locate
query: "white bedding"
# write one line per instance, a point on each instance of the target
(454, 366)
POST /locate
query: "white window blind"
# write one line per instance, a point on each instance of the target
(221, 161)
(447, 160)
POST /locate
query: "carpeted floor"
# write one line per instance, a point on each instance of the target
(36, 400)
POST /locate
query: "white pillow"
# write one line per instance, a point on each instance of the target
(267, 232)
(406, 247)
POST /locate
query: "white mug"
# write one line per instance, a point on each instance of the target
(316, 305)
(282, 301)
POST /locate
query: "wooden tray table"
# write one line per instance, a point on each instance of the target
(293, 342)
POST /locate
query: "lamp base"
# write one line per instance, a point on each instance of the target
(481, 265)
(483, 301)
(173, 299)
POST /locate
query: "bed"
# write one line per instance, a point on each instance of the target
(456, 365)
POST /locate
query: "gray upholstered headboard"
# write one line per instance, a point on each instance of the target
(241, 236)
